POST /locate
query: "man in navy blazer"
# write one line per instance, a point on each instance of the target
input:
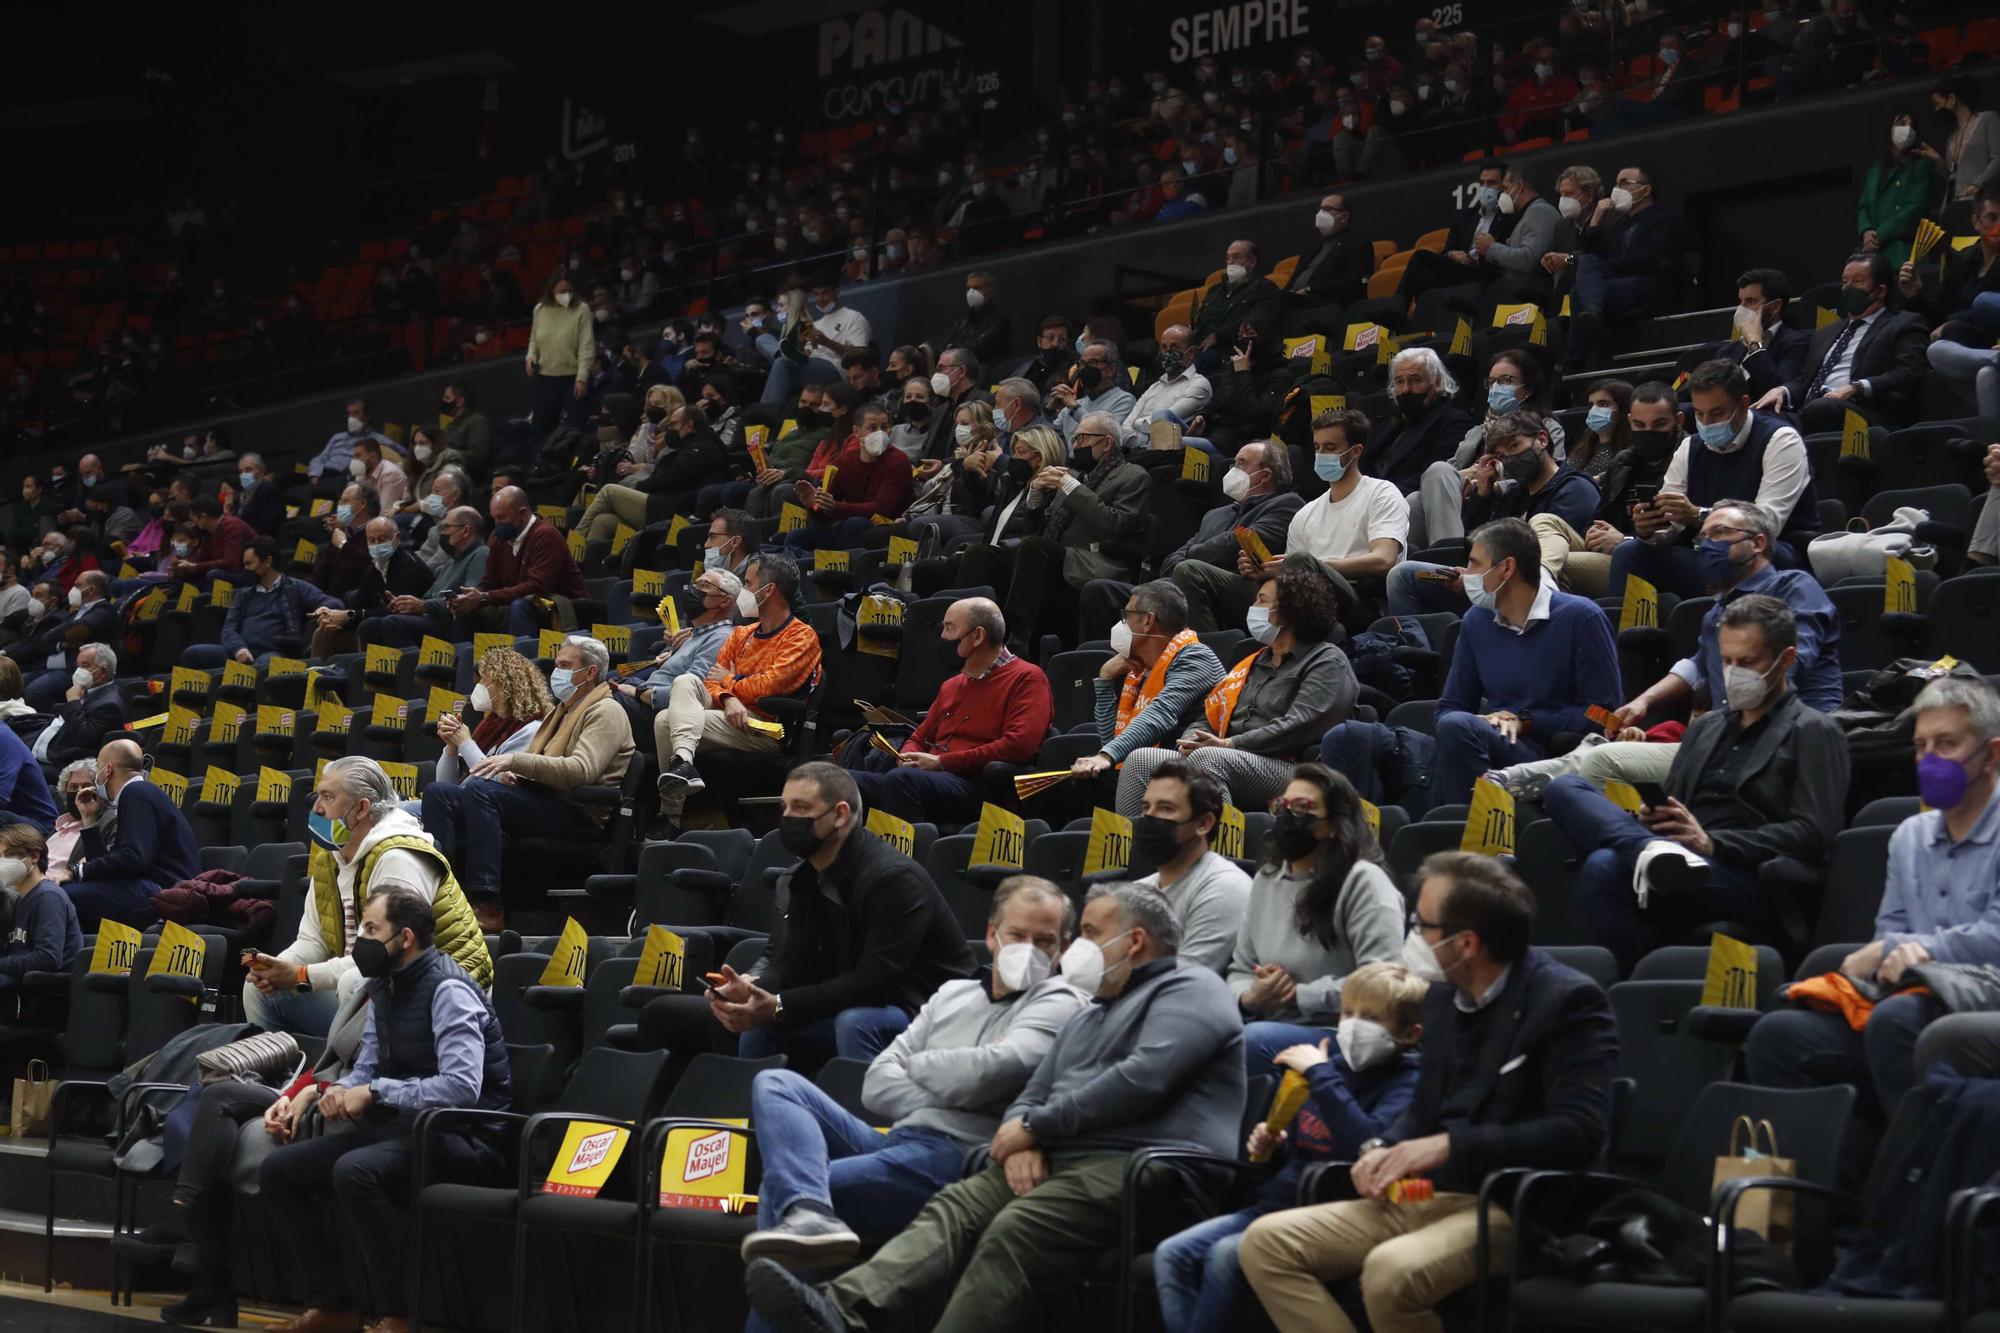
(1517, 1058)
(1771, 350)
(152, 846)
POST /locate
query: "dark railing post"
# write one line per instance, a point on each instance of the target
(1742, 50)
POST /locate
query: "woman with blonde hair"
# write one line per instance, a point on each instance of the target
(511, 698)
(662, 401)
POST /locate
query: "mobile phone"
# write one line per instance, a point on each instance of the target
(1645, 495)
(1437, 576)
(1652, 794)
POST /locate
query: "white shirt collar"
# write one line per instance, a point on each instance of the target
(1537, 610)
(522, 535)
(1466, 1006)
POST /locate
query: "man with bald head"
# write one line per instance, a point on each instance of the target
(392, 571)
(150, 847)
(408, 617)
(527, 558)
(996, 709)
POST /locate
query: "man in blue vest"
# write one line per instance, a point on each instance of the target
(1734, 451)
(431, 1041)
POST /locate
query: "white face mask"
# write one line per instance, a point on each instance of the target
(874, 444)
(1084, 965)
(1235, 272)
(1744, 688)
(13, 872)
(76, 597)
(1621, 199)
(1421, 958)
(356, 468)
(1570, 207)
(82, 678)
(563, 299)
(1323, 222)
(974, 297)
(1021, 966)
(1121, 639)
(482, 699)
(746, 602)
(1506, 205)
(1903, 136)
(37, 609)
(1236, 483)
(940, 383)
(1364, 1042)
(423, 453)
(355, 425)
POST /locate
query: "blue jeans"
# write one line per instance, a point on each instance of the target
(1467, 746)
(1263, 1040)
(1610, 840)
(288, 1011)
(782, 385)
(404, 631)
(467, 822)
(1199, 1282)
(45, 692)
(920, 796)
(1410, 595)
(1599, 289)
(209, 656)
(814, 1150)
(1973, 371)
(1669, 568)
(1801, 1048)
(860, 1033)
(127, 901)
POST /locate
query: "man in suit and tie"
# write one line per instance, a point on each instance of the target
(1770, 351)
(1335, 271)
(1517, 1058)
(1459, 262)
(1870, 361)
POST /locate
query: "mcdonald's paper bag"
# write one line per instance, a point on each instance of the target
(32, 1098)
(1766, 1212)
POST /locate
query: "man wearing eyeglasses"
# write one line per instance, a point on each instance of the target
(404, 620)
(1096, 383)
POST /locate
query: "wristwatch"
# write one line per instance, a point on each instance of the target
(778, 1010)
(304, 984)
(1370, 1146)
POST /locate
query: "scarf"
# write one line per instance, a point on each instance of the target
(1137, 693)
(1221, 702)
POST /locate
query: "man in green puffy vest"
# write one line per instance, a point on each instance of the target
(376, 846)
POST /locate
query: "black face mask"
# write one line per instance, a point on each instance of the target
(1854, 300)
(1019, 470)
(1410, 406)
(446, 406)
(1652, 444)
(656, 415)
(916, 412)
(1156, 838)
(1293, 834)
(799, 835)
(1089, 378)
(1522, 467)
(371, 958)
(948, 654)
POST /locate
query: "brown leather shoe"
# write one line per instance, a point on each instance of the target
(321, 1321)
(389, 1324)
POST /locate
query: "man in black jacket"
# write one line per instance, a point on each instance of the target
(260, 501)
(1335, 271)
(392, 571)
(866, 938)
(1242, 292)
(1428, 425)
(49, 656)
(1756, 795)
(1962, 275)
(1458, 262)
(1517, 1058)
(151, 847)
(90, 712)
(1871, 361)
(1628, 244)
(1770, 351)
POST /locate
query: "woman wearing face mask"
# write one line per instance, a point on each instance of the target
(43, 935)
(1010, 511)
(689, 458)
(511, 699)
(866, 480)
(1897, 193)
(1321, 904)
(950, 495)
(562, 347)
(79, 775)
(910, 432)
(649, 440)
(428, 457)
(1516, 381)
(1971, 156)
(1265, 712)
(825, 417)
(1607, 429)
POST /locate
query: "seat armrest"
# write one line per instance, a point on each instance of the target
(553, 997)
(611, 886)
(105, 983)
(256, 888)
(595, 794)
(638, 997)
(165, 984)
(694, 880)
(1721, 1023)
(45, 983)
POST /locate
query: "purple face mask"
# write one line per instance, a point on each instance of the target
(1942, 782)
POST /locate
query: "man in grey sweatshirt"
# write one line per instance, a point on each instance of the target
(830, 1180)
(1156, 1061)
(1209, 892)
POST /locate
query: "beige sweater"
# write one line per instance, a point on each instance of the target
(587, 740)
(562, 342)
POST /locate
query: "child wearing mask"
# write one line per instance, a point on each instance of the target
(1354, 1095)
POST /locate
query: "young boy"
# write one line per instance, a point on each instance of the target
(1353, 1096)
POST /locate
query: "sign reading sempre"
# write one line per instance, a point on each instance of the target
(1233, 27)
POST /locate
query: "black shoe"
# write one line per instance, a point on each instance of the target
(791, 1304)
(680, 778)
(216, 1308)
(175, 1227)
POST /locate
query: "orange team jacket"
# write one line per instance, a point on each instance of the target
(754, 665)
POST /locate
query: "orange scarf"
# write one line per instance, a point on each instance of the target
(1221, 704)
(1138, 693)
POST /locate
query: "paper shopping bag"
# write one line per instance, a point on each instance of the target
(1766, 1212)
(32, 1096)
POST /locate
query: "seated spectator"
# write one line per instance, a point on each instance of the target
(1626, 246)
(585, 742)
(1529, 662)
(831, 1182)
(1516, 475)
(1629, 435)
(76, 777)
(1838, 49)
(327, 470)
(1093, 529)
(1261, 498)
(947, 496)
(1937, 906)
(1428, 424)
(991, 494)
(1249, 389)
(1966, 355)
(692, 649)
(93, 708)
(268, 617)
(511, 697)
(984, 328)
(1155, 680)
(527, 561)
(1760, 780)
(151, 846)
(866, 941)
(871, 486)
(1157, 1064)
(1495, 1004)
(30, 517)
(392, 571)
(1335, 270)
(954, 383)
(224, 538)
(812, 346)
(442, 493)
(691, 457)
(379, 847)
(1179, 389)
(1017, 406)
(775, 655)
(17, 607)
(1055, 353)
(1179, 811)
(1271, 706)
(405, 618)
(1516, 381)
(910, 428)
(1458, 263)
(1535, 106)
(1321, 906)
(1094, 383)
(729, 545)
(1871, 360)
(47, 657)
(467, 433)
(342, 560)
(1356, 1094)
(42, 932)
(430, 1041)
(825, 416)
(993, 710)
(1735, 450)
(260, 501)
(385, 477)
(24, 790)
(109, 519)
(1770, 351)
(1961, 276)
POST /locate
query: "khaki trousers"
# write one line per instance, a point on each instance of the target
(687, 723)
(611, 506)
(1409, 1256)
(1578, 569)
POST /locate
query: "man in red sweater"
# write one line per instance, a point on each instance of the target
(223, 537)
(527, 558)
(996, 709)
(870, 480)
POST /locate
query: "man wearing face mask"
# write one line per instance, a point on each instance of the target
(430, 1041)
(691, 650)
(151, 846)
(1755, 797)
(260, 502)
(994, 708)
(954, 383)
(1055, 353)
(836, 331)
(1239, 296)
(1533, 232)
(392, 571)
(1872, 360)
(1458, 262)
(1096, 384)
(47, 657)
(43, 935)
(1334, 271)
(1155, 681)
(866, 940)
(867, 480)
(1261, 498)
(526, 560)
(378, 846)
(373, 468)
(1577, 190)
(1428, 424)
(984, 328)
(342, 560)
(328, 469)
(776, 654)
(1627, 244)
(405, 618)
(94, 707)
(1937, 907)
(1156, 1061)
(1179, 389)
(467, 431)
(1770, 351)
(1209, 892)
(831, 1182)
(1516, 1057)
(447, 491)
(224, 538)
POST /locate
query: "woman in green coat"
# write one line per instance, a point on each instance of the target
(1896, 194)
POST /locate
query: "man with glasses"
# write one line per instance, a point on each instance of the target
(1096, 384)
(1518, 1052)
(1153, 684)
(690, 650)
(404, 620)
(1335, 271)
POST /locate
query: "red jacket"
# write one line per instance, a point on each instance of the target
(221, 551)
(1002, 717)
(542, 569)
(864, 487)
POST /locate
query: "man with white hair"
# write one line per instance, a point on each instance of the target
(1428, 424)
(364, 842)
(586, 741)
(692, 649)
(94, 709)
(448, 490)
(259, 500)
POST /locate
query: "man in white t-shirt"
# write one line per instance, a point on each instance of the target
(836, 331)
(1358, 528)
